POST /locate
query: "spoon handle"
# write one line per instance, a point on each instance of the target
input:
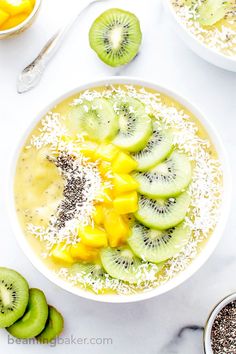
(32, 74)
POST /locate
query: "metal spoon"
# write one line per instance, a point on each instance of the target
(32, 74)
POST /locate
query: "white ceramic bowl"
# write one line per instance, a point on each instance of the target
(210, 55)
(180, 278)
(23, 25)
(211, 319)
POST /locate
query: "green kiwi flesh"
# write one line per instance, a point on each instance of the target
(96, 118)
(116, 37)
(54, 326)
(169, 178)
(120, 263)
(155, 245)
(94, 270)
(14, 296)
(135, 126)
(34, 319)
(162, 213)
(156, 150)
(212, 11)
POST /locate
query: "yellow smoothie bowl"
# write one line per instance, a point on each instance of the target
(193, 135)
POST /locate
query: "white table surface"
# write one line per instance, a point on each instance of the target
(159, 325)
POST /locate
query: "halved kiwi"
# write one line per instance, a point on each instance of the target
(34, 319)
(116, 37)
(135, 126)
(162, 213)
(53, 328)
(96, 118)
(120, 263)
(14, 296)
(155, 245)
(156, 150)
(166, 179)
(212, 11)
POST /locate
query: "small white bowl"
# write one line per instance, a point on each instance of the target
(181, 277)
(212, 56)
(23, 25)
(211, 319)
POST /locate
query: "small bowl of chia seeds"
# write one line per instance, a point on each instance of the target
(220, 329)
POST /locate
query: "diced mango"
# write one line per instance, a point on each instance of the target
(3, 17)
(83, 252)
(107, 152)
(105, 168)
(116, 228)
(93, 237)
(88, 149)
(98, 215)
(61, 253)
(124, 183)
(123, 163)
(126, 203)
(13, 21)
(16, 7)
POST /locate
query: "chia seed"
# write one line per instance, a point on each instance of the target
(223, 333)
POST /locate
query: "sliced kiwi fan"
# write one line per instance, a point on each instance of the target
(163, 175)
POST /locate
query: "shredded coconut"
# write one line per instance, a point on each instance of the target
(205, 189)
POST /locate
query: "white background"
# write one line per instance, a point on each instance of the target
(152, 326)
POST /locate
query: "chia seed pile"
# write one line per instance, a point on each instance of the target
(223, 334)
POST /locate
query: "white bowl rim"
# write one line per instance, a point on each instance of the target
(22, 24)
(216, 310)
(232, 60)
(182, 276)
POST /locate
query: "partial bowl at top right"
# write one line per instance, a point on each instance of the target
(208, 27)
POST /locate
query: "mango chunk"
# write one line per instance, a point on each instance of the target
(116, 228)
(123, 163)
(88, 149)
(61, 253)
(98, 216)
(93, 237)
(13, 21)
(124, 183)
(126, 203)
(16, 7)
(3, 17)
(105, 196)
(107, 152)
(105, 168)
(83, 252)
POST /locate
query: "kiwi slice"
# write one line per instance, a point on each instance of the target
(156, 150)
(54, 326)
(162, 213)
(34, 319)
(166, 179)
(14, 296)
(96, 118)
(212, 11)
(116, 37)
(120, 263)
(89, 269)
(135, 126)
(156, 245)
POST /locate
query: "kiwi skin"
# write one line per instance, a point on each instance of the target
(97, 42)
(53, 328)
(13, 283)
